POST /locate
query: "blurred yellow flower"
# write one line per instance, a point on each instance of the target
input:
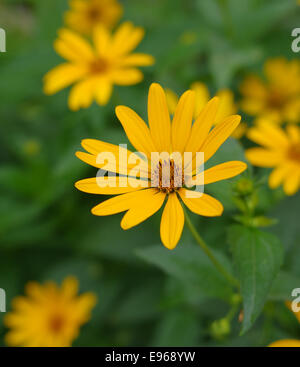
(96, 69)
(285, 343)
(280, 150)
(227, 106)
(288, 342)
(84, 15)
(140, 201)
(278, 96)
(48, 316)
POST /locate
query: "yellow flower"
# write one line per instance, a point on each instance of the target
(141, 199)
(285, 343)
(48, 316)
(227, 106)
(280, 150)
(84, 15)
(278, 96)
(96, 69)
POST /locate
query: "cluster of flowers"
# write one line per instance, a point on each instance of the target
(98, 58)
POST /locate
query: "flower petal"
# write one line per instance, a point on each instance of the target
(268, 134)
(204, 205)
(292, 181)
(278, 175)
(221, 172)
(159, 118)
(146, 204)
(117, 166)
(62, 76)
(263, 157)
(136, 130)
(103, 91)
(126, 38)
(202, 126)
(126, 76)
(73, 47)
(172, 222)
(101, 37)
(82, 94)
(113, 185)
(182, 121)
(218, 136)
(118, 203)
(138, 59)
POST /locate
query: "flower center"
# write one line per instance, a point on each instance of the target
(167, 176)
(56, 323)
(99, 66)
(294, 153)
(94, 14)
(276, 99)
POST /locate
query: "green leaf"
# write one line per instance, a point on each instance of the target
(189, 264)
(257, 257)
(167, 334)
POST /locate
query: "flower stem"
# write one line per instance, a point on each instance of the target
(234, 282)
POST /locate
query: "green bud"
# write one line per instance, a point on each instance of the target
(220, 328)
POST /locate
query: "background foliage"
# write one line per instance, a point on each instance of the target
(147, 295)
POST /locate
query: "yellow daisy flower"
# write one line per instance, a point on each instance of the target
(95, 69)
(84, 15)
(278, 96)
(141, 199)
(48, 316)
(227, 106)
(280, 150)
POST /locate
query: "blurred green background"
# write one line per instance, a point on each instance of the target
(46, 228)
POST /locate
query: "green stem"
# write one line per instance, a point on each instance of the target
(209, 253)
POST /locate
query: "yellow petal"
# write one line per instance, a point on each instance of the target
(82, 94)
(292, 343)
(103, 91)
(204, 205)
(292, 181)
(263, 157)
(112, 185)
(227, 106)
(278, 175)
(69, 287)
(71, 44)
(126, 76)
(159, 118)
(293, 133)
(202, 126)
(138, 59)
(172, 222)
(118, 203)
(201, 97)
(182, 121)
(126, 38)
(62, 76)
(145, 205)
(219, 135)
(221, 172)
(172, 100)
(136, 130)
(117, 166)
(102, 39)
(268, 135)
